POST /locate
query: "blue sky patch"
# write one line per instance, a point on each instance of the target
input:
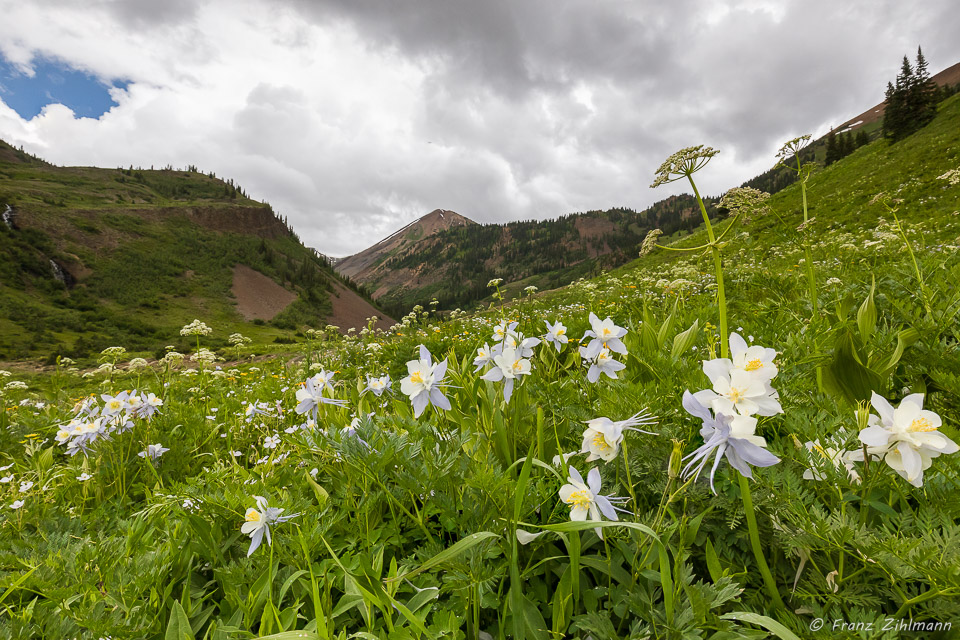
(54, 82)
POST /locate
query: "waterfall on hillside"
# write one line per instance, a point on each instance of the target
(58, 273)
(8, 217)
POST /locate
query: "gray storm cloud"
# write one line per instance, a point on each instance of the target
(353, 118)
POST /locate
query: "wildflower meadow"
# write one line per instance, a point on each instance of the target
(749, 432)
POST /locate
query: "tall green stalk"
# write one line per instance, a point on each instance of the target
(768, 580)
(718, 271)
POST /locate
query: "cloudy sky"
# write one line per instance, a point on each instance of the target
(354, 117)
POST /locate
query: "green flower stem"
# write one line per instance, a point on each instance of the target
(768, 580)
(718, 268)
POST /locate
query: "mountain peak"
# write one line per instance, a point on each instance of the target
(432, 223)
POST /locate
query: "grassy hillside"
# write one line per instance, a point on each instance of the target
(98, 257)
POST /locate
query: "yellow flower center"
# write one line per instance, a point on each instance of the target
(735, 395)
(115, 404)
(921, 424)
(754, 364)
(517, 366)
(600, 442)
(582, 499)
(252, 515)
(416, 378)
(606, 331)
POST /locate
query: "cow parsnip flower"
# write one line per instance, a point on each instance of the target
(683, 164)
(905, 437)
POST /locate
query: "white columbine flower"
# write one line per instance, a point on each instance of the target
(484, 357)
(739, 392)
(584, 498)
(153, 451)
(257, 522)
(906, 437)
(377, 385)
(502, 330)
(508, 366)
(557, 334)
(602, 363)
(310, 397)
(423, 383)
(603, 436)
(606, 335)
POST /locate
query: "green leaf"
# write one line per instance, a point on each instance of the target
(905, 338)
(449, 553)
(867, 315)
(683, 341)
(178, 628)
(666, 581)
(713, 561)
(769, 624)
(318, 491)
(846, 376)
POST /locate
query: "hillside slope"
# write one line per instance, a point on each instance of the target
(96, 257)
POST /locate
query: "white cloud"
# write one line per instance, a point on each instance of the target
(354, 119)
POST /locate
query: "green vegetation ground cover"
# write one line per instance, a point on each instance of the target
(407, 527)
(147, 268)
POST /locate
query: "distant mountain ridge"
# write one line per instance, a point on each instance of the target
(447, 256)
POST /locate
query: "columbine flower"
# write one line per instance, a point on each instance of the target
(906, 437)
(484, 357)
(516, 341)
(603, 436)
(502, 330)
(584, 498)
(257, 522)
(557, 334)
(821, 455)
(683, 164)
(310, 397)
(730, 435)
(508, 366)
(606, 335)
(377, 385)
(422, 385)
(742, 393)
(603, 363)
(149, 405)
(153, 451)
